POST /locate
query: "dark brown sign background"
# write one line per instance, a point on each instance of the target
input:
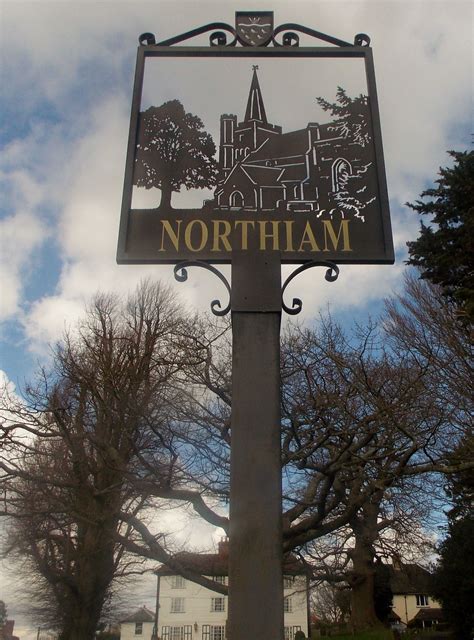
(308, 190)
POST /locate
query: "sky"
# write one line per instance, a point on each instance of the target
(66, 82)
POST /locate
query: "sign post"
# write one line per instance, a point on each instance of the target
(299, 191)
(255, 540)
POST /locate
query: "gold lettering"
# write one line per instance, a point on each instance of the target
(273, 235)
(329, 231)
(204, 235)
(221, 236)
(174, 237)
(245, 227)
(289, 235)
(308, 238)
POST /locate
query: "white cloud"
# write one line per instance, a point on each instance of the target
(68, 74)
(21, 234)
(64, 176)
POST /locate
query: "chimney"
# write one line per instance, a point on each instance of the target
(396, 562)
(223, 547)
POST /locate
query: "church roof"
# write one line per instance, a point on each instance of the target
(262, 175)
(295, 173)
(255, 107)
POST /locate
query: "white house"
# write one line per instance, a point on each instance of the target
(138, 626)
(412, 603)
(188, 611)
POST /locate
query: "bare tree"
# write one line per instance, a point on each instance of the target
(331, 603)
(361, 421)
(77, 447)
(362, 418)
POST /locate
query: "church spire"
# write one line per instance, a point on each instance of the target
(255, 109)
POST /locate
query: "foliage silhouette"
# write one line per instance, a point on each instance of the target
(452, 580)
(445, 253)
(352, 116)
(352, 121)
(173, 151)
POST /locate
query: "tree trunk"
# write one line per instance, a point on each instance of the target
(93, 573)
(165, 203)
(362, 576)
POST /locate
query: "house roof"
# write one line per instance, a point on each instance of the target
(393, 616)
(217, 564)
(429, 614)
(409, 578)
(141, 615)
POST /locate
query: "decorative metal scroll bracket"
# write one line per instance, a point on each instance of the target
(331, 275)
(181, 275)
(254, 29)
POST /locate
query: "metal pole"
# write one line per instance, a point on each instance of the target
(255, 545)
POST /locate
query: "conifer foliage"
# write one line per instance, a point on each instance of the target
(445, 247)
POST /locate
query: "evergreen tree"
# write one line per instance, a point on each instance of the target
(452, 582)
(460, 485)
(444, 251)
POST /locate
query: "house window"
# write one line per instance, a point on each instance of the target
(287, 605)
(177, 582)
(213, 632)
(421, 600)
(177, 633)
(218, 604)
(220, 579)
(290, 632)
(288, 582)
(138, 628)
(177, 605)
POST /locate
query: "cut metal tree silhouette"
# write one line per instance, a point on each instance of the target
(173, 151)
(352, 116)
(352, 122)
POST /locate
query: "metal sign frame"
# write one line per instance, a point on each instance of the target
(132, 239)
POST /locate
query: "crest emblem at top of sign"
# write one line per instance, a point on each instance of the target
(254, 28)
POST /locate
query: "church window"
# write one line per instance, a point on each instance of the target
(341, 168)
(236, 199)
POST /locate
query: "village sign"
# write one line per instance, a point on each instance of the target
(255, 152)
(316, 191)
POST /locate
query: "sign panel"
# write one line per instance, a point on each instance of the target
(273, 149)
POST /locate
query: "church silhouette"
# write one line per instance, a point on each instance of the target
(264, 169)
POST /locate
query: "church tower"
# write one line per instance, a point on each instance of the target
(254, 129)
(255, 111)
(226, 147)
(238, 140)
